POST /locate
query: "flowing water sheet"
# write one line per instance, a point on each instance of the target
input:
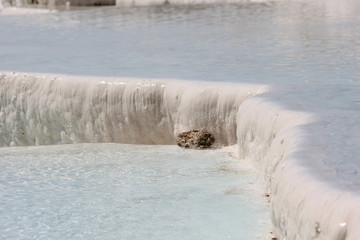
(300, 130)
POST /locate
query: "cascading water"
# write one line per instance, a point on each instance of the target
(162, 192)
(38, 110)
(302, 135)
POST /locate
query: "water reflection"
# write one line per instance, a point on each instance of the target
(267, 42)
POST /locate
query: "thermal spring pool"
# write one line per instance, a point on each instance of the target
(277, 79)
(117, 191)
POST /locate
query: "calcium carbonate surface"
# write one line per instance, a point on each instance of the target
(295, 119)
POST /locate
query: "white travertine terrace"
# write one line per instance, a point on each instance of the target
(308, 199)
(38, 110)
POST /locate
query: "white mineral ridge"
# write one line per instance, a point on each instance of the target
(19, 9)
(308, 159)
(8, 11)
(39, 109)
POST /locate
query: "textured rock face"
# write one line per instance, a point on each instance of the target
(195, 139)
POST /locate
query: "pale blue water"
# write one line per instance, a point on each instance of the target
(114, 191)
(277, 42)
(297, 45)
(310, 49)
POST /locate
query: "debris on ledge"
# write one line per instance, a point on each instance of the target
(195, 139)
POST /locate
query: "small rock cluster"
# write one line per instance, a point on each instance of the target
(195, 139)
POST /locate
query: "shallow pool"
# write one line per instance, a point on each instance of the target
(114, 191)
